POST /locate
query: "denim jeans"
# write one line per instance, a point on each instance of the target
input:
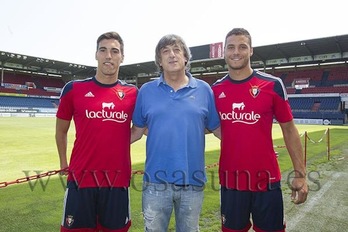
(160, 199)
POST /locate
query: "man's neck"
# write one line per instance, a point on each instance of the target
(240, 74)
(106, 79)
(176, 80)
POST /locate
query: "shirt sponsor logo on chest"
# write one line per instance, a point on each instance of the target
(239, 115)
(107, 113)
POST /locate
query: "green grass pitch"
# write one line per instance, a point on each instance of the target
(28, 147)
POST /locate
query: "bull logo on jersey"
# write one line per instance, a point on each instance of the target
(239, 106)
(108, 105)
(254, 91)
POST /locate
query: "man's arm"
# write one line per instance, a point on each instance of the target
(137, 133)
(294, 147)
(62, 127)
(217, 132)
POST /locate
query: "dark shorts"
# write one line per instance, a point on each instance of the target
(86, 209)
(264, 208)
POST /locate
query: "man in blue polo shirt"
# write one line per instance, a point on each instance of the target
(175, 111)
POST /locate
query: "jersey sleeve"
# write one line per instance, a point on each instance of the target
(66, 107)
(282, 109)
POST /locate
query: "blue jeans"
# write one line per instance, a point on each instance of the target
(159, 201)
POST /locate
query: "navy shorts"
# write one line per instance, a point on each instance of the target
(88, 209)
(264, 208)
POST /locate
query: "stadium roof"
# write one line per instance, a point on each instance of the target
(329, 49)
(321, 50)
(43, 66)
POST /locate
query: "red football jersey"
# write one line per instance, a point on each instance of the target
(102, 116)
(247, 109)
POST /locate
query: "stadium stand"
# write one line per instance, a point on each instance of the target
(27, 102)
(324, 108)
(315, 73)
(25, 94)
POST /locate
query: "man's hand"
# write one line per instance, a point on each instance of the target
(64, 170)
(299, 189)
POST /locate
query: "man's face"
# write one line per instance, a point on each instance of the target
(172, 58)
(109, 56)
(237, 52)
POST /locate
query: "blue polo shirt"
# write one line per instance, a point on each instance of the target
(176, 123)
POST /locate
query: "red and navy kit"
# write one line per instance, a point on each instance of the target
(247, 110)
(102, 117)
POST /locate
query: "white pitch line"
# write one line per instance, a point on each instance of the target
(314, 200)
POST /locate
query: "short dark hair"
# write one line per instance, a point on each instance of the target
(111, 35)
(172, 39)
(239, 31)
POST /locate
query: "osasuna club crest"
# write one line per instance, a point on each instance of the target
(69, 220)
(254, 91)
(120, 94)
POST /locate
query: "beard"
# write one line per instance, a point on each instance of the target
(237, 65)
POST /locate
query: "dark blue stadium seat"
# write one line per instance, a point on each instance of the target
(27, 102)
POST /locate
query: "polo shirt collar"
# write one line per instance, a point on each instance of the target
(192, 81)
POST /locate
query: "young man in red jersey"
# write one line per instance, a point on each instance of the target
(247, 101)
(99, 170)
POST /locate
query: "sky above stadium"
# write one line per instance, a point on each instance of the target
(67, 30)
